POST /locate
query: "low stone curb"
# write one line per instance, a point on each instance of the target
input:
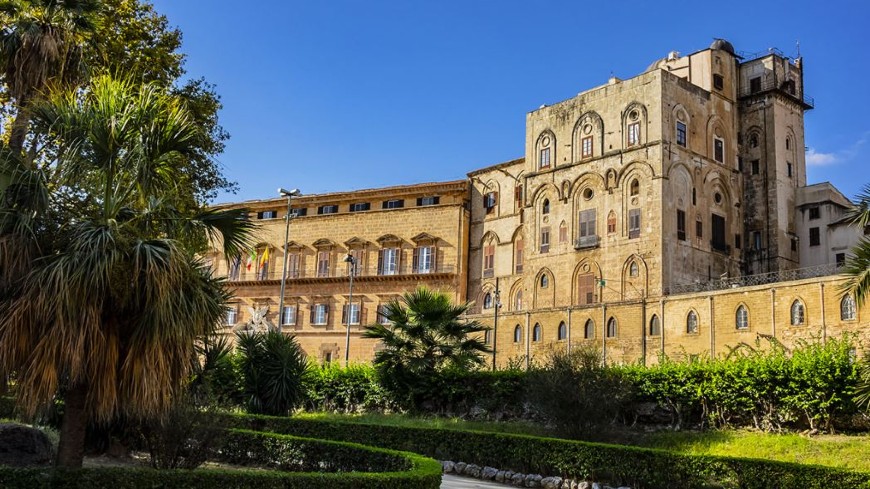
(518, 479)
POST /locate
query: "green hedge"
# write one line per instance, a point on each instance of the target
(338, 464)
(637, 467)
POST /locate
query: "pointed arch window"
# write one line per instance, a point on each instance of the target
(611, 223)
(633, 269)
(537, 333)
(589, 329)
(545, 150)
(563, 331)
(742, 318)
(797, 313)
(692, 323)
(655, 326)
(545, 281)
(518, 255)
(847, 308)
(634, 188)
(611, 328)
(518, 334)
(518, 301)
(545, 207)
(487, 301)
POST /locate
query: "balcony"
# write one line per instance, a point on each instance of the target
(774, 84)
(721, 247)
(340, 274)
(586, 242)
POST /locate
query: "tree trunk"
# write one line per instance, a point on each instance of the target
(19, 129)
(71, 449)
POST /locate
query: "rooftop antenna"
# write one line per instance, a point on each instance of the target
(798, 42)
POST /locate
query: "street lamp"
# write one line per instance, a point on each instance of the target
(495, 322)
(351, 265)
(289, 194)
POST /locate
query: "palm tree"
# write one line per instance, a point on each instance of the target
(857, 267)
(425, 334)
(41, 44)
(101, 296)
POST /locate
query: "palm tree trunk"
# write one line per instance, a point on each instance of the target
(71, 449)
(19, 129)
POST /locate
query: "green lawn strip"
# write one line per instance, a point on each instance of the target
(517, 427)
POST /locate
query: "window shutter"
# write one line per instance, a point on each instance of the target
(326, 313)
(362, 314)
(311, 319)
(398, 260)
(380, 262)
(416, 260)
(419, 201)
(344, 312)
(434, 259)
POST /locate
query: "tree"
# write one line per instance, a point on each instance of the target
(425, 334)
(99, 296)
(857, 267)
(41, 44)
(273, 366)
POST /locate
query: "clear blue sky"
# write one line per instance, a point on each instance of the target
(341, 95)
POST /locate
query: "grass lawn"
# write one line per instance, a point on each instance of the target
(850, 452)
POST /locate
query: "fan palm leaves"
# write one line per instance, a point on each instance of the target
(857, 268)
(102, 298)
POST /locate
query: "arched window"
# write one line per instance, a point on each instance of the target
(634, 188)
(797, 313)
(487, 301)
(655, 326)
(633, 269)
(847, 308)
(611, 222)
(518, 301)
(787, 143)
(545, 281)
(518, 334)
(545, 150)
(563, 331)
(537, 333)
(742, 318)
(545, 208)
(611, 328)
(589, 329)
(692, 322)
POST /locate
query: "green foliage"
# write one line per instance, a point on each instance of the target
(355, 389)
(184, 438)
(273, 367)
(636, 467)
(216, 373)
(576, 393)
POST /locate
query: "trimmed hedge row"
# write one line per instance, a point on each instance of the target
(637, 467)
(349, 465)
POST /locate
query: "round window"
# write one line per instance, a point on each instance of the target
(717, 197)
(588, 194)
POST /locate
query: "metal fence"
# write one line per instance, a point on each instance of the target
(759, 279)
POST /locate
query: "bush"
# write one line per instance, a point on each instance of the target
(354, 389)
(576, 393)
(637, 467)
(273, 366)
(184, 439)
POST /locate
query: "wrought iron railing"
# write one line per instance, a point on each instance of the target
(267, 275)
(787, 87)
(759, 279)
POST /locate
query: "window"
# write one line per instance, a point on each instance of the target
(787, 143)
(681, 225)
(320, 314)
(847, 308)
(424, 201)
(737, 241)
(327, 209)
(589, 330)
(755, 167)
(756, 240)
(586, 147)
(545, 281)
(382, 314)
(563, 331)
(487, 301)
(488, 260)
(518, 196)
(537, 333)
(699, 227)
(633, 269)
(518, 255)
(694, 196)
(490, 200)
(719, 150)
(692, 322)
(393, 204)
(545, 207)
(267, 215)
(518, 301)
(586, 289)
(635, 187)
(797, 313)
(322, 263)
(232, 315)
(424, 259)
(360, 206)
(681, 133)
(545, 240)
(294, 267)
(634, 223)
(350, 314)
(755, 84)
(718, 235)
(742, 318)
(655, 326)
(288, 317)
(545, 158)
(753, 140)
(299, 212)
(794, 244)
(718, 82)
(235, 268)
(611, 328)
(634, 133)
(841, 259)
(587, 223)
(563, 232)
(789, 168)
(611, 222)
(815, 213)
(358, 256)
(518, 334)
(327, 357)
(388, 261)
(815, 237)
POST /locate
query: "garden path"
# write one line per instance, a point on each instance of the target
(455, 482)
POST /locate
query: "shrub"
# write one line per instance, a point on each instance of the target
(273, 367)
(184, 439)
(353, 389)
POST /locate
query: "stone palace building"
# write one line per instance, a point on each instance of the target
(666, 213)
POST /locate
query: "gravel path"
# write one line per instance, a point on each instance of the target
(456, 482)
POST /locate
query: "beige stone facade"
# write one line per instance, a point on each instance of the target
(632, 198)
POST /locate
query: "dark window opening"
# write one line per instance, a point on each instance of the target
(815, 212)
(360, 206)
(394, 204)
(423, 201)
(718, 82)
(327, 209)
(755, 165)
(718, 237)
(681, 225)
(755, 85)
(815, 237)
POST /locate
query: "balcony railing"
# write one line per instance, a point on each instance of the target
(786, 87)
(272, 275)
(584, 242)
(759, 279)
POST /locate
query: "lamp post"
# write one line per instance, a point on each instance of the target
(495, 322)
(351, 266)
(289, 194)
